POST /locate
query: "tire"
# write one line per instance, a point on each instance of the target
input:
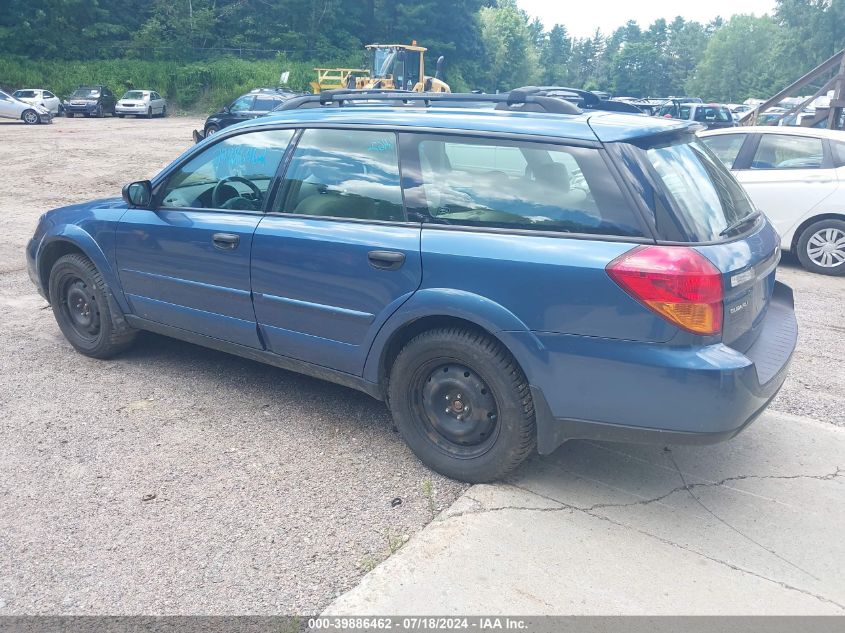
(163, 112)
(69, 114)
(484, 427)
(149, 113)
(80, 300)
(98, 113)
(30, 117)
(211, 129)
(821, 247)
(120, 116)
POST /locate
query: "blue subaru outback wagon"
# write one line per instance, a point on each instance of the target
(506, 274)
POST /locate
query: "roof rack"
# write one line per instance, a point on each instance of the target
(584, 99)
(515, 100)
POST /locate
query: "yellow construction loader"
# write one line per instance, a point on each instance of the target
(392, 67)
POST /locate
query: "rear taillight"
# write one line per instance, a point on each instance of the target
(677, 282)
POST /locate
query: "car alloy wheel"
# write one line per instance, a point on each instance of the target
(30, 117)
(826, 247)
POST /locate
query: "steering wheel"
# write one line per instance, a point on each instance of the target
(217, 193)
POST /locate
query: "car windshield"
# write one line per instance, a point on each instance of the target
(693, 196)
(25, 94)
(134, 94)
(85, 93)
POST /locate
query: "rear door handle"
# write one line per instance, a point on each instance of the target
(386, 260)
(226, 241)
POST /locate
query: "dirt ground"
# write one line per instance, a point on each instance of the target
(266, 492)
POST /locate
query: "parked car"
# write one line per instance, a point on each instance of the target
(712, 115)
(796, 176)
(96, 101)
(12, 108)
(39, 96)
(255, 103)
(146, 103)
(492, 278)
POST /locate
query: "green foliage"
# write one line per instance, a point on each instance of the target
(200, 53)
(200, 86)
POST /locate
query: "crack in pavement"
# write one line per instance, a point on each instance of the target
(561, 506)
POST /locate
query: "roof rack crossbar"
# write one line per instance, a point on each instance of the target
(514, 99)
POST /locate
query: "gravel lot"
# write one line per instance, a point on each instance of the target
(179, 480)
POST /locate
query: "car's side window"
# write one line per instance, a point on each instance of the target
(264, 104)
(725, 146)
(344, 174)
(782, 151)
(838, 153)
(234, 173)
(48, 94)
(514, 184)
(242, 104)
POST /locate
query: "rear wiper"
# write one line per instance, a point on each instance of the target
(740, 223)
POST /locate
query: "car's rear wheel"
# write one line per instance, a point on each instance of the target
(821, 247)
(462, 404)
(30, 117)
(163, 111)
(79, 297)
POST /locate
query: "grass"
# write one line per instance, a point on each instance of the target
(193, 86)
(197, 87)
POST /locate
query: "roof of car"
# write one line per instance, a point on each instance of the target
(793, 130)
(588, 126)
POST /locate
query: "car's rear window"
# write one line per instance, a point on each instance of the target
(692, 195)
(707, 114)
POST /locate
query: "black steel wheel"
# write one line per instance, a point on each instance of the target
(462, 404)
(80, 300)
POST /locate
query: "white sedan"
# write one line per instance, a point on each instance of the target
(146, 103)
(39, 97)
(796, 176)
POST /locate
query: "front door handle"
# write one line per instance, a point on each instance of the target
(386, 260)
(226, 241)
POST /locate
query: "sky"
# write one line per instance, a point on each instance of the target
(583, 17)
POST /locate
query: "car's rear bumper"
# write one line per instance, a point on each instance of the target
(590, 388)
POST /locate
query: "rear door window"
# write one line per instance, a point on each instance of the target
(785, 151)
(725, 146)
(838, 153)
(519, 185)
(344, 174)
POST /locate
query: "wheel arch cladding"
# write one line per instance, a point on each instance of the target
(72, 239)
(434, 308)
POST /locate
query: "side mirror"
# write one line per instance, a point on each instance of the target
(138, 194)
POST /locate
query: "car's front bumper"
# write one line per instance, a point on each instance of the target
(88, 108)
(136, 110)
(591, 388)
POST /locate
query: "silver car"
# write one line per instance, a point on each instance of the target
(11, 108)
(39, 96)
(146, 103)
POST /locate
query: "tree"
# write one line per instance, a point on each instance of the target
(741, 61)
(511, 58)
(555, 55)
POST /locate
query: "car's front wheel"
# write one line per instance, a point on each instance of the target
(149, 113)
(30, 117)
(821, 247)
(211, 129)
(462, 404)
(79, 298)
